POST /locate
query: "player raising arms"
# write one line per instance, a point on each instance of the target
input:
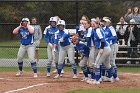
(62, 36)
(26, 32)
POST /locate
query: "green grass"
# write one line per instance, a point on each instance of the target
(128, 69)
(105, 91)
(12, 52)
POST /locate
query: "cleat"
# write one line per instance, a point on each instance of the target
(35, 75)
(19, 73)
(74, 76)
(62, 71)
(116, 79)
(97, 82)
(84, 79)
(90, 81)
(100, 80)
(57, 76)
(103, 78)
(55, 71)
(81, 72)
(109, 79)
(61, 75)
(48, 75)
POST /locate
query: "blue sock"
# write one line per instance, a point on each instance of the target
(48, 69)
(115, 75)
(20, 66)
(92, 75)
(84, 69)
(88, 70)
(59, 68)
(97, 73)
(56, 65)
(91, 72)
(110, 72)
(103, 70)
(74, 67)
(34, 67)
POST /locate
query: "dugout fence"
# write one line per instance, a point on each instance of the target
(71, 11)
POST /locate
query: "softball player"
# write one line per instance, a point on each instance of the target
(84, 51)
(87, 35)
(26, 32)
(111, 37)
(37, 36)
(49, 33)
(104, 51)
(62, 36)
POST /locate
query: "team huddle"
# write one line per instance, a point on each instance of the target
(98, 51)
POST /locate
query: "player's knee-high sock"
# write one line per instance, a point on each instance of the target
(48, 68)
(92, 72)
(110, 72)
(63, 65)
(115, 74)
(84, 69)
(34, 67)
(103, 70)
(97, 73)
(74, 67)
(56, 65)
(88, 70)
(59, 68)
(20, 66)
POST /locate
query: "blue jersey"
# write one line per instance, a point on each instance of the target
(49, 34)
(25, 37)
(87, 36)
(98, 36)
(65, 34)
(110, 34)
(83, 49)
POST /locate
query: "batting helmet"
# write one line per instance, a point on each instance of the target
(53, 19)
(61, 22)
(25, 19)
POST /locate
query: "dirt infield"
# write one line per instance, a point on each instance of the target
(27, 84)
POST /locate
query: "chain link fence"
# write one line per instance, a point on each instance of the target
(71, 11)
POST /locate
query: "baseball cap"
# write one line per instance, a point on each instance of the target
(25, 19)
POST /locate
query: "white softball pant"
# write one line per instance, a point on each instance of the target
(104, 58)
(69, 49)
(114, 50)
(52, 56)
(30, 49)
